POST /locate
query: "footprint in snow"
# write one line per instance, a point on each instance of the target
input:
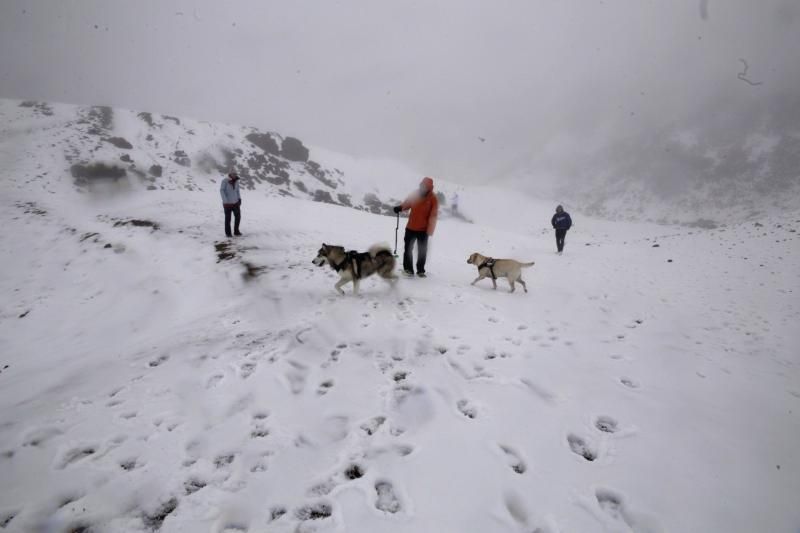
(386, 498)
(606, 424)
(39, 436)
(213, 381)
(130, 464)
(372, 425)
(75, 455)
(276, 513)
(155, 518)
(579, 446)
(158, 361)
(513, 458)
(314, 511)
(246, 370)
(467, 409)
(613, 505)
(324, 387)
(629, 382)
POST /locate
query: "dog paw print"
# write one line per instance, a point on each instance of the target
(246, 370)
(324, 387)
(606, 424)
(580, 447)
(158, 361)
(467, 409)
(314, 511)
(386, 498)
(513, 458)
(75, 455)
(192, 485)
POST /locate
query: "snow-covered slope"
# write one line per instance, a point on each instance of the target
(156, 377)
(106, 149)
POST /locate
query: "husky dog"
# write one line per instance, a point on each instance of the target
(354, 266)
(498, 268)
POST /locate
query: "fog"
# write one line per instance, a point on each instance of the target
(473, 91)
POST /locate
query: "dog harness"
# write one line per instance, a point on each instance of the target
(489, 263)
(355, 258)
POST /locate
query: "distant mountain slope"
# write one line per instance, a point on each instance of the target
(101, 148)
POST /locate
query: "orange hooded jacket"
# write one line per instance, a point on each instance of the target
(424, 209)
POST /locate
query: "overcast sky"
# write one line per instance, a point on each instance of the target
(419, 81)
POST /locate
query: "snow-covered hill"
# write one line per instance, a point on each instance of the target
(107, 150)
(155, 377)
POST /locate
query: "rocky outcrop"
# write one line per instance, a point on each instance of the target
(294, 150)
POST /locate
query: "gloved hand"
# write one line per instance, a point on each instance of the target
(397, 209)
(239, 203)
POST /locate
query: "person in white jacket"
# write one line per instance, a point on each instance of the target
(231, 202)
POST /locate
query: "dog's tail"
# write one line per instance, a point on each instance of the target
(377, 249)
(527, 264)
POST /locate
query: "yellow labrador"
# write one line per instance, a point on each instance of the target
(497, 268)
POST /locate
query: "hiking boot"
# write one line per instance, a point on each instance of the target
(237, 233)
(422, 274)
(408, 273)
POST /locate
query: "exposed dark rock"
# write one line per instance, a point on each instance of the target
(119, 142)
(261, 167)
(323, 196)
(101, 117)
(313, 168)
(265, 142)
(147, 117)
(125, 158)
(96, 171)
(173, 119)
(180, 157)
(375, 205)
(344, 199)
(293, 150)
(155, 170)
(300, 186)
(39, 108)
(139, 223)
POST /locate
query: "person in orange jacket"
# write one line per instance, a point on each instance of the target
(421, 223)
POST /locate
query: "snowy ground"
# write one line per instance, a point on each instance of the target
(155, 378)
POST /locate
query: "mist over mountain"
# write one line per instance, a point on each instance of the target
(667, 106)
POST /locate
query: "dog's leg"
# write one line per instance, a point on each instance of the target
(339, 284)
(511, 282)
(524, 286)
(355, 286)
(494, 283)
(477, 279)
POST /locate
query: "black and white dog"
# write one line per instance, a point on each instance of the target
(355, 266)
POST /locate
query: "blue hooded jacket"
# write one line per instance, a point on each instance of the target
(229, 191)
(561, 220)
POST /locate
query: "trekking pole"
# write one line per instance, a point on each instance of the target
(397, 227)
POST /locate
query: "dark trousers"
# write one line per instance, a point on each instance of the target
(237, 216)
(560, 234)
(421, 238)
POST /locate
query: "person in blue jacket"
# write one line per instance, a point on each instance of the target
(231, 202)
(561, 222)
